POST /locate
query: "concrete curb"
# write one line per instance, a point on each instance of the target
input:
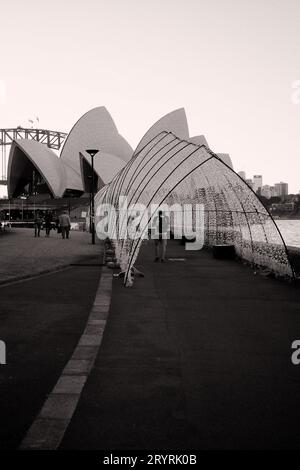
(28, 277)
(48, 429)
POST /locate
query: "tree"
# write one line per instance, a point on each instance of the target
(274, 200)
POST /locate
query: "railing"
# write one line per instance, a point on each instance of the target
(53, 139)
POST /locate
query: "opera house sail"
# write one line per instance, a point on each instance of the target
(168, 167)
(35, 168)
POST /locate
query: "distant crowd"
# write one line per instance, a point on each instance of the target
(51, 221)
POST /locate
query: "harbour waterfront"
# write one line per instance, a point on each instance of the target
(290, 230)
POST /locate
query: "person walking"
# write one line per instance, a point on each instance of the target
(56, 221)
(37, 224)
(161, 227)
(65, 224)
(48, 223)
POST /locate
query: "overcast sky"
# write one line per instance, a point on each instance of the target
(230, 63)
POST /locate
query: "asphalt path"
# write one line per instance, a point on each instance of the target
(41, 321)
(196, 355)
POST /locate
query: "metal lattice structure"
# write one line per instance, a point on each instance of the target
(53, 139)
(171, 170)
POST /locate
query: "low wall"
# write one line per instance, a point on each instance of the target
(294, 255)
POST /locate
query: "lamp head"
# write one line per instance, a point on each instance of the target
(92, 152)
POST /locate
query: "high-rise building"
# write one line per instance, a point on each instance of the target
(266, 191)
(257, 182)
(249, 182)
(242, 174)
(282, 190)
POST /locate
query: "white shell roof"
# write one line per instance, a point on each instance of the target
(72, 177)
(175, 122)
(199, 140)
(44, 159)
(95, 129)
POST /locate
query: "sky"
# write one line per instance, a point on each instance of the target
(232, 64)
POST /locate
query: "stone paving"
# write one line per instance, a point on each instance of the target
(22, 255)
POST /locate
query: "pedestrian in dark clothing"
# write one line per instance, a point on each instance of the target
(56, 221)
(48, 222)
(37, 224)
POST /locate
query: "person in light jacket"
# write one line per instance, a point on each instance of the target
(65, 224)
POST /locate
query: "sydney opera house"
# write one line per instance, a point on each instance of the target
(33, 168)
(168, 166)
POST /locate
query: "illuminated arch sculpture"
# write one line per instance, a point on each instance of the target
(169, 169)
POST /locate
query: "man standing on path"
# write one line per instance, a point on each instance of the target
(161, 226)
(65, 224)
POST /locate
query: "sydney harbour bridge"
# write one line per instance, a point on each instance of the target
(53, 139)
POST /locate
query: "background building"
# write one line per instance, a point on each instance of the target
(266, 191)
(282, 190)
(257, 182)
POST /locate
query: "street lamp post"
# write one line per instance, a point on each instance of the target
(90, 201)
(22, 199)
(92, 153)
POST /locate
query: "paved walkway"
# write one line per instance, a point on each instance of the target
(41, 321)
(195, 356)
(21, 254)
